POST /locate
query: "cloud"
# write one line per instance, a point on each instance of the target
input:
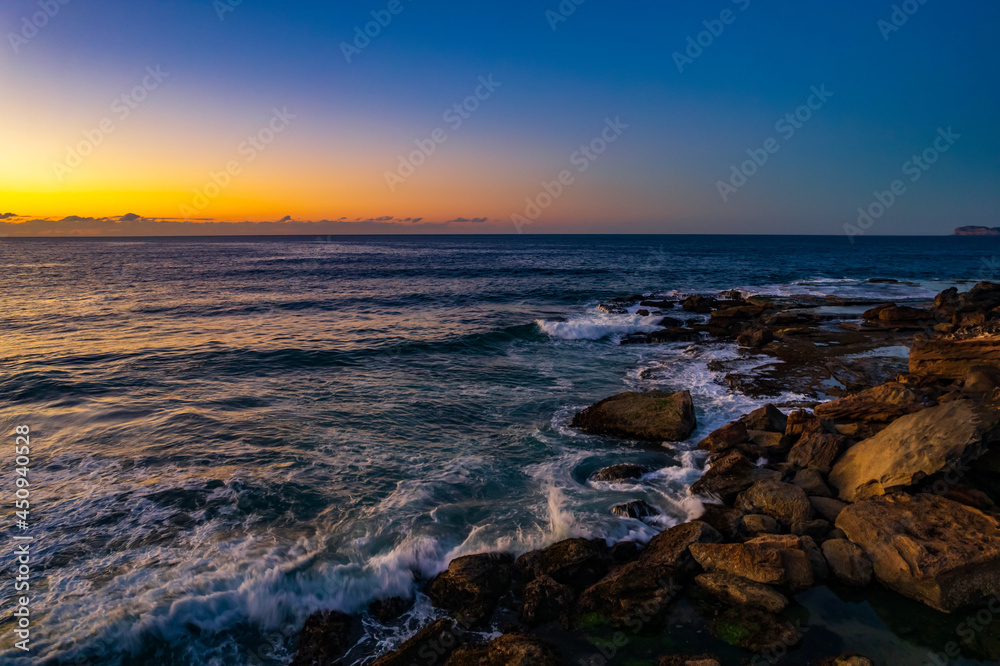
(138, 226)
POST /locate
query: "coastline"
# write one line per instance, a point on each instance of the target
(743, 580)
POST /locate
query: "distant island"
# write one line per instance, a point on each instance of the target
(977, 231)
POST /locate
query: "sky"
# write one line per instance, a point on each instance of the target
(543, 116)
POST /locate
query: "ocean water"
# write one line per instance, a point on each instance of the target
(228, 434)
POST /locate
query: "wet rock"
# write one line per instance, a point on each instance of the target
(578, 563)
(881, 404)
(472, 586)
(817, 529)
(671, 334)
(980, 381)
(742, 592)
(768, 444)
(847, 660)
(827, 507)
(689, 660)
(953, 359)
(642, 313)
(811, 481)
(818, 451)
(730, 475)
(736, 313)
(699, 304)
(753, 629)
(641, 590)
(915, 447)
(508, 650)
(724, 519)
(661, 305)
(757, 523)
(325, 638)
(768, 418)
(546, 600)
(431, 645)
(784, 502)
(939, 552)
(654, 416)
(899, 317)
(821, 570)
(755, 337)
(848, 562)
(387, 610)
(727, 437)
(636, 509)
(617, 473)
(612, 308)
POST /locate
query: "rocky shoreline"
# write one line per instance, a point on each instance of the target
(890, 479)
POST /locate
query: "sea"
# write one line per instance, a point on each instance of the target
(228, 434)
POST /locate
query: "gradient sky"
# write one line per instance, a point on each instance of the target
(230, 64)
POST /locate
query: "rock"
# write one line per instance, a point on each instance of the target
(757, 523)
(817, 451)
(820, 569)
(980, 380)
(387, 610)
(578, 563)
(801, 422)
(849, 564)
(699, 304)
(325, 638)
(939, 552)
(771, 559)
(952, 359)
(736, 590)
(644, 587)
(727, 437)
(730, 475)
(847, 660)
(812, 483)
(817, 529)
(545, 600)
(654, 416)
(508, 650)
(882, 404)
(755, 630)
(642, 313)
(723, 518)
(768, 418)
(612, 308)
(913, 448)
(782, 501)
(430, 645)
(755, 338)
(662, 305)
(827, 507)
(689, 660)
(472, 586)
(768, 444)
(618, 473)
(637, 509)
(735, 314)
(899, 317)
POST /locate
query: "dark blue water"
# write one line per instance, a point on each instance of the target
(228, 434)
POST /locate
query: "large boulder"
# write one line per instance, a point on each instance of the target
(546, 600)
(472, 586)
(325, 638)
(643, 588)
(768, 419)
(431, 645)
(773, 559)
(578, 563)
(848, 562)
(784, 502)
(929, 548)
(880, 404)
(913, 448)
(899, 317)
(730, 475)
(729, 436)
(508, 650)
(743, 592)
(654, 416)
(817, 451)
(952, 359)
(620, 473)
